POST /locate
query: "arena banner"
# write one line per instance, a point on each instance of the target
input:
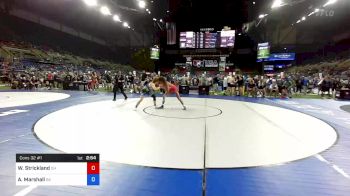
(279, 57)
(282, 57)
(263, 50)
(154, 53)
(222, 64)
(205, 63)
(211, 63)
(171, 33)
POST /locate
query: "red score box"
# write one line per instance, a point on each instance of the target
(93, 168)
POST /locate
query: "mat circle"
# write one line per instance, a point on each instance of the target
(192, 112)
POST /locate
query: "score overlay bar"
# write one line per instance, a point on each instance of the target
(57, 169)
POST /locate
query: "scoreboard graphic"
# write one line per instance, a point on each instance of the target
(207, 38)
(58, 169)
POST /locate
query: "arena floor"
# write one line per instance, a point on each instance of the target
(218, 146)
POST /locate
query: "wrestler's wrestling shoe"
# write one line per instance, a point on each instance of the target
(160, 107)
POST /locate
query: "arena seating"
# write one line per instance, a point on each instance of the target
(334, 67)
(28, 55)
(56, 46)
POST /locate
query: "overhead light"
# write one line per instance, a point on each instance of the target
(317, 10)
(160, 20)
(277, 3)
(129, 27)
(90, 2)
(298, 21)
(262, 15)
(253, 2)
(239, 33)
(116, 18)
(167, 11)
(142, 4)
(147, 10)
(125, 24)
(303, 18)
(330, 2)
(312, 13)
(154, 19)
(105, 10)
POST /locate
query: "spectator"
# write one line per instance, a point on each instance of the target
(251, 87)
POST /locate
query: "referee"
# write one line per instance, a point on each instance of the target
(119, 80)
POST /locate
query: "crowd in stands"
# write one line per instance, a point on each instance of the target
(282, 85)
(27, 66)
(35, 76)
(320, 78)
(268, 86)
(21, 52)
